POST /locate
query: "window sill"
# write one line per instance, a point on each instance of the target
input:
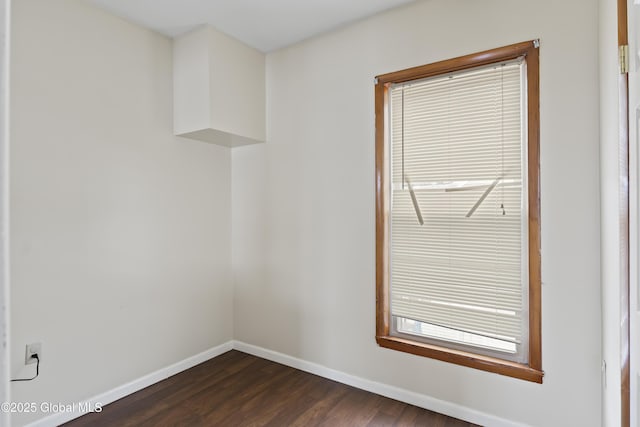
(471, 360)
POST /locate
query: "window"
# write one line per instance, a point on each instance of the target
(457, 211)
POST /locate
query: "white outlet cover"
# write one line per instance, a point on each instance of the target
(30, 350)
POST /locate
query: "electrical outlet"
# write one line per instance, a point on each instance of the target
(35, 348)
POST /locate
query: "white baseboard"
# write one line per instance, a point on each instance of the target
(135, 385)
(421, 400)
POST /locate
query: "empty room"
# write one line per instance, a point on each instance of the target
(320, 213)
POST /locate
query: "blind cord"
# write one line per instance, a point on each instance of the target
(402, 136)
(502, 132)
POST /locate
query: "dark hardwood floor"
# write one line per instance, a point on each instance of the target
(237, 389)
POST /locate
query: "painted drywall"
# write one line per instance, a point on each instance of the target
(634, 197)
(610, 211)
(218, 84)
(237, 86)
(5, 13)
(191, 92)
(303, 204)
(120, 231)
(218, 88)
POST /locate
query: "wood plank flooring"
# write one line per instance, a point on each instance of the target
(236, 389)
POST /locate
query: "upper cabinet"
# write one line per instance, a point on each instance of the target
(219, 89)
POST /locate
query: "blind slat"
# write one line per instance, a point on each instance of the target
(461, 133)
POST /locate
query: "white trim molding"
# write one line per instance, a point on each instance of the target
(5, 43)
(135, 385)
(410, 397)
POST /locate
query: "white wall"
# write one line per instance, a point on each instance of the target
(610, 210)
(237, 86)
(191, 91)
(218, 88)
(120, 231)
(303, 204)
(5, 11)
(634, 193)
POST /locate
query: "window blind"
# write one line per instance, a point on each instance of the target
(457, 206)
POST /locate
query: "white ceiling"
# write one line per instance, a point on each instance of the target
(264, 24)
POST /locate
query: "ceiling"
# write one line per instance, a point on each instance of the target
(263, 24)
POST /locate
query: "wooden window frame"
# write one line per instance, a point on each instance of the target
(532, 370)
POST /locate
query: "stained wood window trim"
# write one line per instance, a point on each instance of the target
(532, 369)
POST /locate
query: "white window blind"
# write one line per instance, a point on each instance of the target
(458, 211)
